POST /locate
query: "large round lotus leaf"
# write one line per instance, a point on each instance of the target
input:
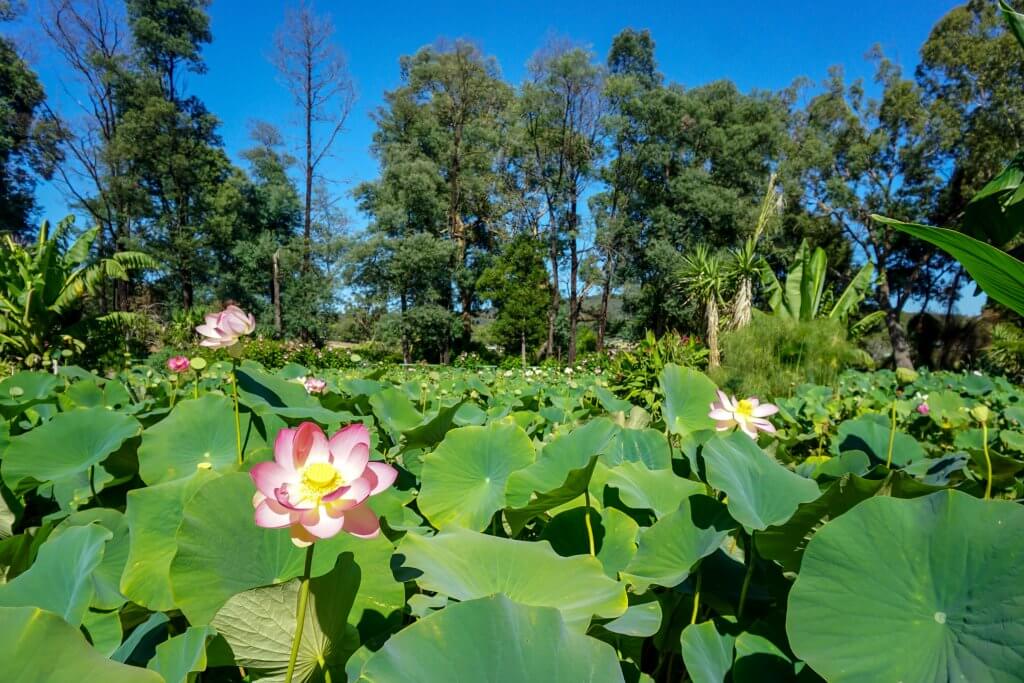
(464, 478)
(870, 434)
(107, 577)
(182, 655)
(68, 444)
(266, 394)
(688, 394)
(466, 565)
(670, 548)
(928, 589)
(639, 487)
(259, 625)
(198, 432)
(492, 640)
(222, 552)
(648, 446)
(154, 513)
(707, 652)
(36, 645)
(61, 578)
(614, 532)
(761, 492)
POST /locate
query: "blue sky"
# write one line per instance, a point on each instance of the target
(758, 45)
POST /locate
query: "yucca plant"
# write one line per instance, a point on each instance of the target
(745, 265)
(43, 289)
(704, 279)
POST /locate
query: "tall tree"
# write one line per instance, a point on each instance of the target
(23, 135)
(561, 111)
(867, 156)
(172, 141)
(632, 74)
(517, 283)
(315, 71)
(439, 139)
(92, 38)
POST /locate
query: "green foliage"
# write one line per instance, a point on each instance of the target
(774, 354)
(634, 373)
(524, 497)
(803, 296)
(45, 288)
(517, 285)
(1006, 353)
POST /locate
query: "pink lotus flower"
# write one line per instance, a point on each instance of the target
(223, 329)
(748, 414)
(923, 408)
(319, 488)
(178, 364)
(314, 385)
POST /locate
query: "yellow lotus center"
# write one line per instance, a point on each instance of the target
(320, 478)
(745, 408)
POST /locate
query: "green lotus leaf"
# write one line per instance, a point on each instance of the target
(614, 532)
(464, 478)
(221, 552)
(61, 578)
(153, 514)
(104, 630)
(107, 576)
(492, 639)
(668, 550)
(870, 434)
(785, 543)
(640, 621)
(259, 625)
(639, 487)
(707, 652)
(648, 446)
(760, 491)
(198, 434)
(937, 571)
(182, 655)
(36, 645)
(66, 446)
(465, 565)
(688, 395)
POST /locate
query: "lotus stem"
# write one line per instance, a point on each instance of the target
(174, 390)
(300, 614)
(892, 434)
(988, 459)
(238, 424)
(586, 520)
(750, 556)
(696, 597)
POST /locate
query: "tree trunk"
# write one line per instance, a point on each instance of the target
(602, 314)
(574, 302)
(275, 260)
(897, 335)
(714, 355)
(307, 216)
(406, 351)
(553, 312)
(522, 347)
(741, 313)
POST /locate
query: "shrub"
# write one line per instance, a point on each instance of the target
(634, 372)
(773, 355)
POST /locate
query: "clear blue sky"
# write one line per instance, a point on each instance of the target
(758, 45)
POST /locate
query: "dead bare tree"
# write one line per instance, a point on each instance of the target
(315, 71)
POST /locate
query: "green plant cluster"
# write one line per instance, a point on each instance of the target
(537, 519)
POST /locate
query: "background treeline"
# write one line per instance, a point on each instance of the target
(595, 199)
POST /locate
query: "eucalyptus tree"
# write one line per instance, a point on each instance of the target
(560, 110)
(439, 141)
(863, 156)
